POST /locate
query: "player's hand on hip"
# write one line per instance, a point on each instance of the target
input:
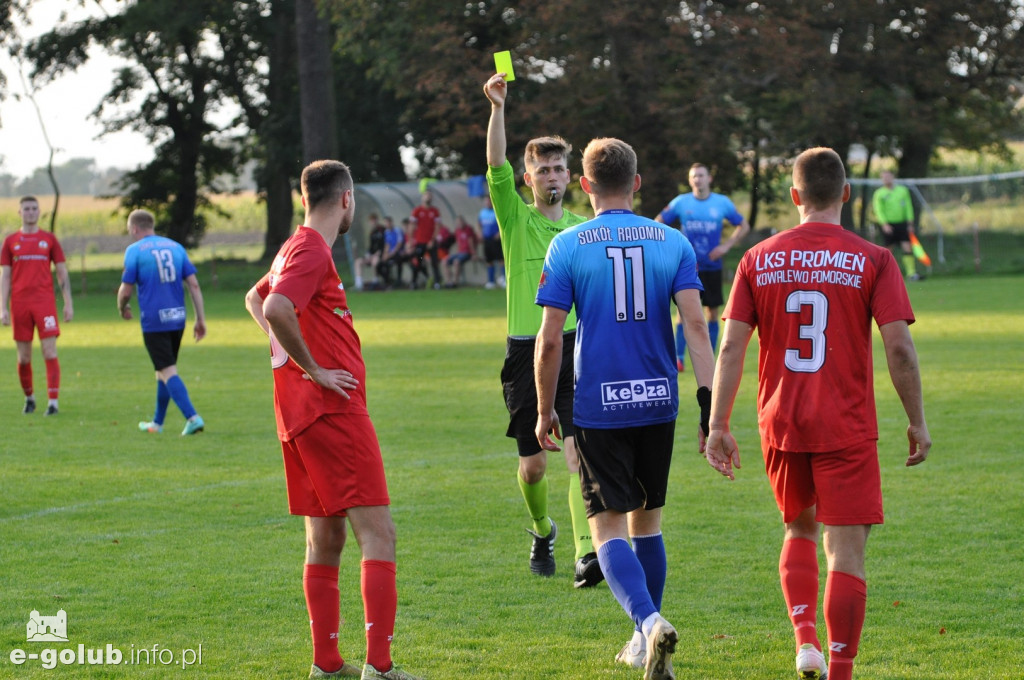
(722, 452)
(548, 426)
(335, 379)
(920, 444)
(718, 252)
(496, 89)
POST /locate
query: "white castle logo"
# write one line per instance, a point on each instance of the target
(47, 628)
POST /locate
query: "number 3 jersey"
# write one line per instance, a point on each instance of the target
(158, 266)
(621, 271)
(812, 292)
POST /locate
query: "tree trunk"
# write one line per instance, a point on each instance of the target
(279, 168)
(316, 83)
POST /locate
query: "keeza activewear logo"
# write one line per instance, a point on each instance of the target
(633, 391)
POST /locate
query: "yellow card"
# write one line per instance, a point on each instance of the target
(503, 64)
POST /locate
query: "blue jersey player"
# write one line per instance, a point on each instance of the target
(161, 269)
(620, 271)
(701, 215)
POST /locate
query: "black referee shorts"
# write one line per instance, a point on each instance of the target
(517, 382)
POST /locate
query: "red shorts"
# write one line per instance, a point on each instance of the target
(844, 486)
(27, 317)
(332, 465)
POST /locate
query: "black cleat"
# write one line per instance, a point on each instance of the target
(542, 554)
(51, 410)
(30, 406)
(588, 572)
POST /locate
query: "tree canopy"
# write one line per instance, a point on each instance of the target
(739, 86)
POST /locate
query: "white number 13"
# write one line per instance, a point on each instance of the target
(813, 332)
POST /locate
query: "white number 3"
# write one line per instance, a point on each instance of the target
(813, 332)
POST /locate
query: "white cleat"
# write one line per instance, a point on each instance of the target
(810, 663)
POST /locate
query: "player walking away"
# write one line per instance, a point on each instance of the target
(161, 269)
(700, 215)
(811, 292)
(492, 245)
(332, 461)
(619, 270)
(26, 284)
(895, 213)
(526, 231)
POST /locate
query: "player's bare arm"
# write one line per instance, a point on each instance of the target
(283, 321)
(254, 303)
(546, 362)
(722, 451)
(702, 357)
(124, 298)
(5, 295)
(496, 89)
(64, 280)
(901, 356)
(738, 234)
(199, 327)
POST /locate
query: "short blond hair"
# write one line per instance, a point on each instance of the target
(609, 165)
(143, 219)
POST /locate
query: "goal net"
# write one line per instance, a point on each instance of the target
(950, 211)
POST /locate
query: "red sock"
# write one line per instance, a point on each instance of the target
(846, 598)
(320, 583)
(25, 376)
(380, 600)
(798, 572)
(52, 377)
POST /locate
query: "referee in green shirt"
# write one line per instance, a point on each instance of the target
(526, 231)
(895, 212)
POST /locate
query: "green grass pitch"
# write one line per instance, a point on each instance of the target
(172, 542)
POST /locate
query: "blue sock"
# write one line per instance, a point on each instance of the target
(713, 332)
(163, 397)
(650, 551)
(179, 393)
(490, 273)
(680, 343)
(625, 577)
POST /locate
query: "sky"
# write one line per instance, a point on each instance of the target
(65, 105)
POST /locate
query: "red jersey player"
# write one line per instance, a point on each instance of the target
(332, 460)
(26, 282)
(426, 217)
(812, 292)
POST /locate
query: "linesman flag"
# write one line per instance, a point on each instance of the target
(918, 249)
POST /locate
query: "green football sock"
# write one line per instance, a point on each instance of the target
(536, 497)
(578, 512)
(910, 265)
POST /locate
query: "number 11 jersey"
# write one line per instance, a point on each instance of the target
(621, 271)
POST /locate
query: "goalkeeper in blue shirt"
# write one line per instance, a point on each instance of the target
(620, 271)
